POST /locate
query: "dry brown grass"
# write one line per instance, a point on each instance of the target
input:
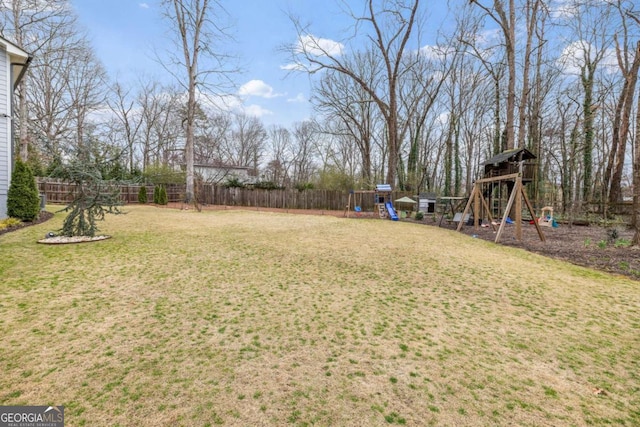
(248, 319)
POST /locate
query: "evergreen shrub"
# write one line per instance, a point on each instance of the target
(142, 195)
(23, 200)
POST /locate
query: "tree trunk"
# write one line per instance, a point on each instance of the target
(615, 193)
(23, 120)
(366, 163)
(448, 157)
(511, 85)
(615, 139)
(636, 181)
(532, 16)
(392, 134)
(457, 183)
(587, 104)
(497, 144)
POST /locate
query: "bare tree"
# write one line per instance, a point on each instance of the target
(87, 88)
(128, 118)
(469, 37)
(159, 123)
(50, 106)
(304, 143)
(628, 58)
(590, 27)
(391, 24)
(636, 181)
(635, 16)
(534, 14)
(539, 103)
(504, 14)
(66, 81)
(246, 145)
(427, 71)
(199, 30)
(277, 168)
(567, 135)
(339, 155)
(33, 25)
(343, 100)
(213, 138)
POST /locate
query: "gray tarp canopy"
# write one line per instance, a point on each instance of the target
(406, 200)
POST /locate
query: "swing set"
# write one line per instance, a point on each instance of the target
(381, 195)
(355, 197)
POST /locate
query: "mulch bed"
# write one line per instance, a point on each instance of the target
(44, 216)
(587, 246)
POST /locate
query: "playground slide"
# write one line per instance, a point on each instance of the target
(392, 212)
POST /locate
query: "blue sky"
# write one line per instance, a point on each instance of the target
(125, 34)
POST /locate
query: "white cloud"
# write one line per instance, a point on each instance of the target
(294, 66)
(256, 111)
(443, 118)
(435, 52)
(317, 46)
(298, 98)
(575, 54)
(143, 5)
(431, 52)
(572, 57)
(489, 38)
(257, 88)
(565, 9)
(570, 9)
(219, 102)
(311, 46)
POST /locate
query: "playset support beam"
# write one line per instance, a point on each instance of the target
(517, 196)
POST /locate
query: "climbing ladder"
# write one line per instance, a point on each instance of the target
(382, 211)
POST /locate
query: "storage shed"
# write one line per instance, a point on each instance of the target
(427, 203)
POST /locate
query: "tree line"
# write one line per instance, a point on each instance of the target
(558, 77)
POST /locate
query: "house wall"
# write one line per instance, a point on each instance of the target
(5, 131)
(220, 175)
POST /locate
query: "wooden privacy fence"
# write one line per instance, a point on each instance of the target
(57, 191)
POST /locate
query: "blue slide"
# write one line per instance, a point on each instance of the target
(392, 212)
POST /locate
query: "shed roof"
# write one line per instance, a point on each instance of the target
(514, 155)
(432, 196)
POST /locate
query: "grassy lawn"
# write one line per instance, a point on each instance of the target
(250, 318)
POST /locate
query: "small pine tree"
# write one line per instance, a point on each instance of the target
(23, 200)
(92, 199)
(142, 195)
(162, 196)
(156, 194)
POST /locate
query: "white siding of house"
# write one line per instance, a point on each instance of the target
(221, 174)
(5, 131)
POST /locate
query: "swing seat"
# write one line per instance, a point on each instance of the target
(458, 217)
(357, 210)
